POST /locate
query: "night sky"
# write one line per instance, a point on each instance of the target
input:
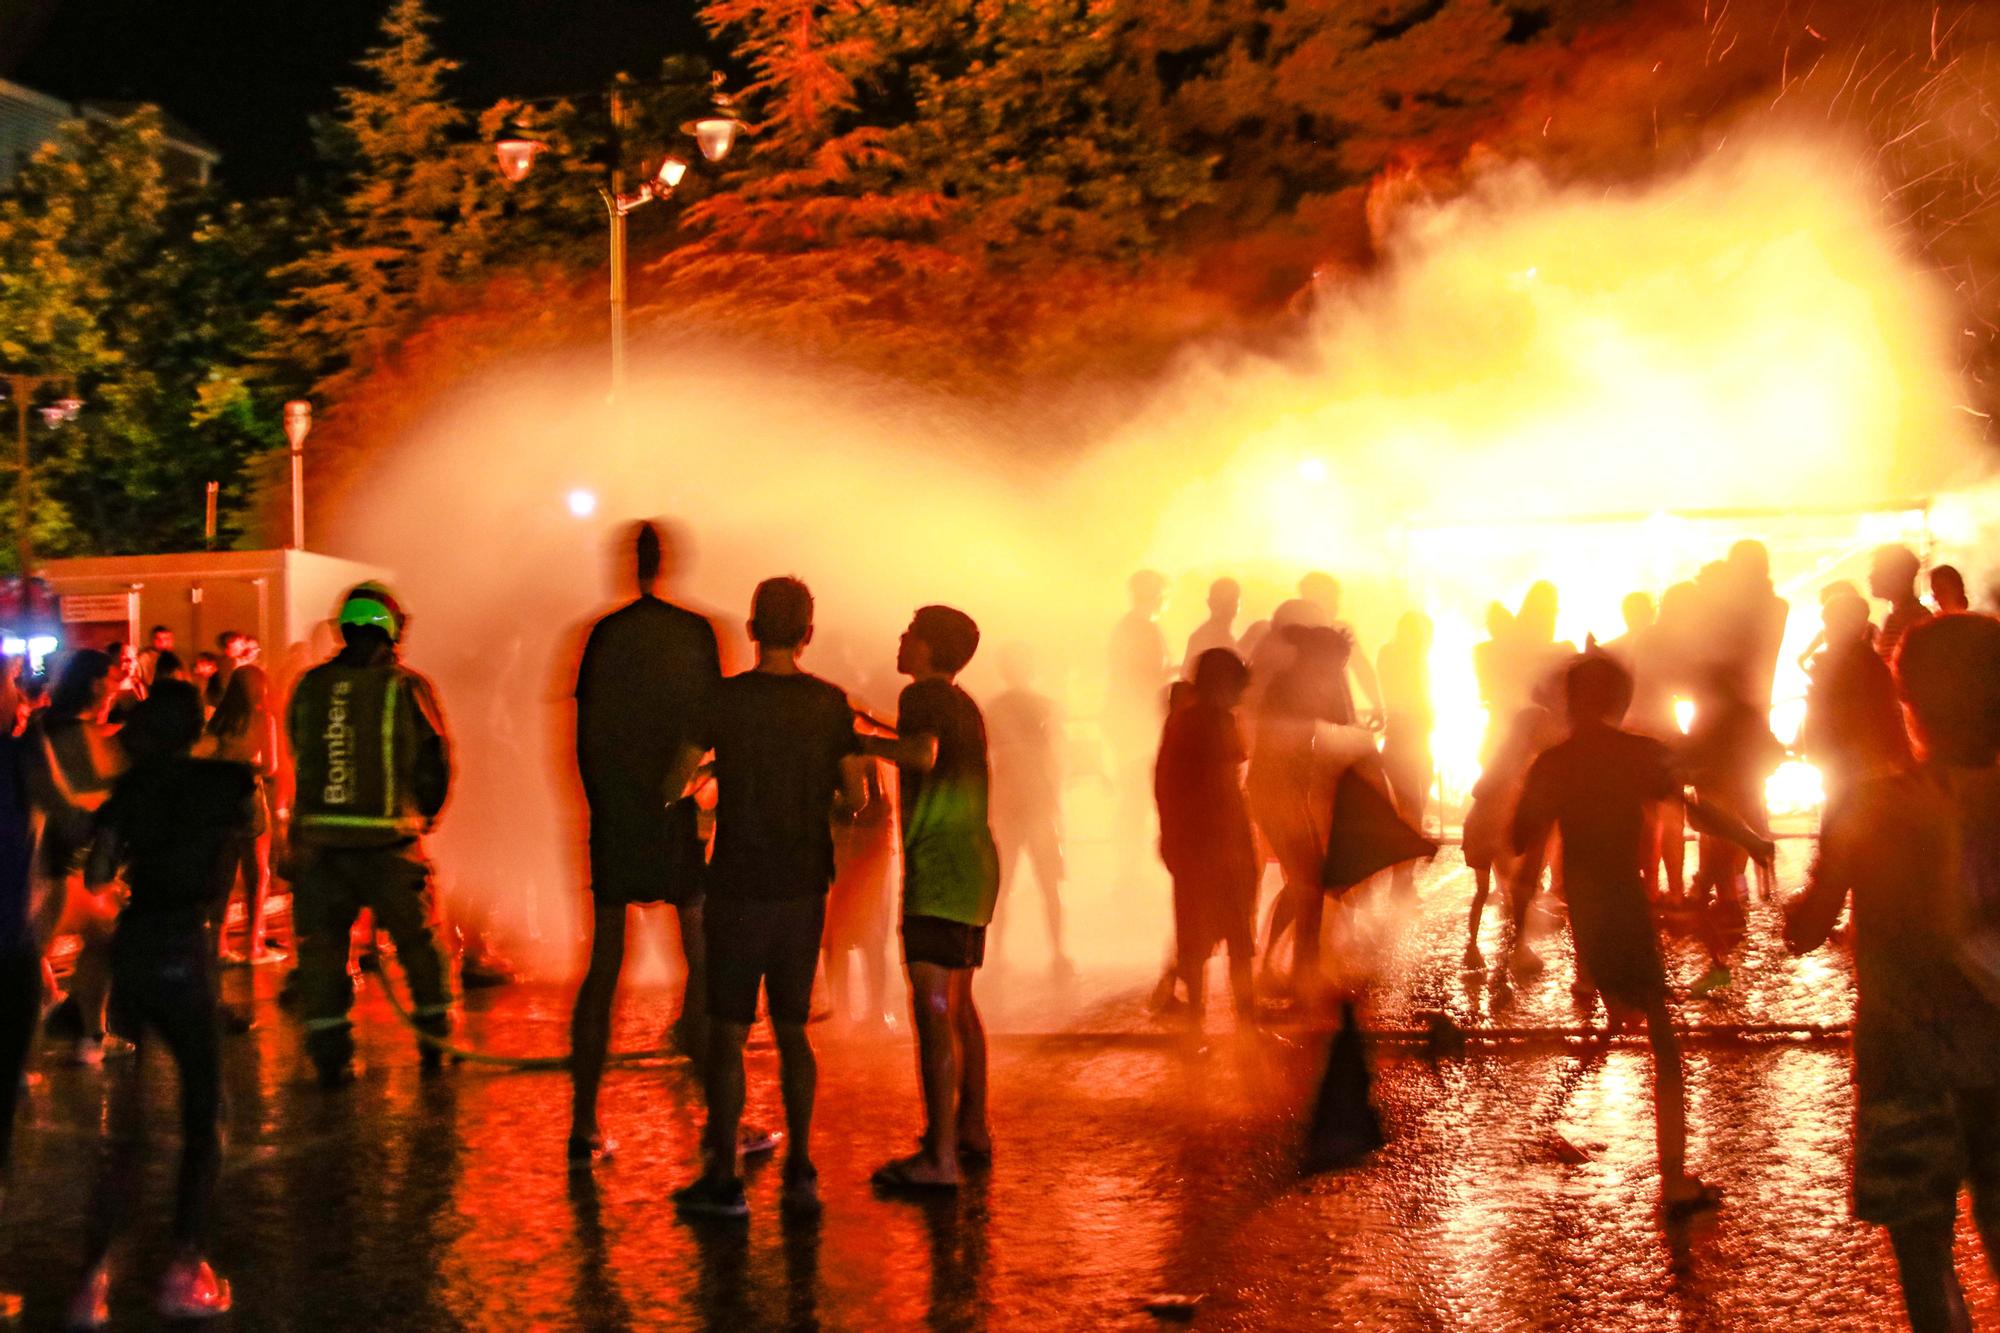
(246, 74)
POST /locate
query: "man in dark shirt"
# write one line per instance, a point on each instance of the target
(647, 673)
(1595, 787)
(174, 824)
(785, 746)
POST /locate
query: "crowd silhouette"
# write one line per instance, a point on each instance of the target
(794, 832)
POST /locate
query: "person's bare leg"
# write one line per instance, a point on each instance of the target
(590, 1021)
(1650, 849)
(1284, 908)
(1482, 886)
(972, 1130)
(1310, 904)
(1242, 990)
(692, 1025)
(798, 1080)
(722, 1089)
(1048, 877)
(257, 873)
(932, 997)
(1670, 1106)
(1193, 977)
(238, 876)
(1673, 849)
(90, 979)
(1931, 1292)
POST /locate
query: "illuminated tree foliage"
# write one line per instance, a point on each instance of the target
(825, 236)
(409, 218)
(984, 170)
(145, 292)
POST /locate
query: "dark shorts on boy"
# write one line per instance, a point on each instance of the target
(767, 942)
(1915, 1151)
(1617, 942)
(942, 943)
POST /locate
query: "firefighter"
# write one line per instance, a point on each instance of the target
(374, 768)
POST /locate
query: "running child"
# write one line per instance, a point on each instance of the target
(1594, 788)
(175, 824)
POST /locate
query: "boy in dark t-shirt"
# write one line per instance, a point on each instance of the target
(785, 746)
(1596, 787)
(951, 880)
(174, 824)
(1918, 847)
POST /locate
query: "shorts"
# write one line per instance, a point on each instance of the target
(767, 942)
(1617, 942)
(647, 856)
(942, 943)
(1914, 1152)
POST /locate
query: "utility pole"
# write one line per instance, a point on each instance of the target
(298, 425)
(617, 212)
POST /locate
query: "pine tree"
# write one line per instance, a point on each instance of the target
(409, 220)
(822, 234)
(1028, 119)
(1301, 102)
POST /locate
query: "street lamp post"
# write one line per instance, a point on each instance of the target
(715, 133)
(298, 425)
(23, 389)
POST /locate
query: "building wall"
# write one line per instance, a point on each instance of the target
(28, 120)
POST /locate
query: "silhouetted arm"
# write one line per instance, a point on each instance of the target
(1719, 823)
(854, 783)
(918, 753)
(682, 772)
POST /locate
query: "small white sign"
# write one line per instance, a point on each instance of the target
(93, 608)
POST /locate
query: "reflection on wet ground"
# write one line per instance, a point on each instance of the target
(1128, 1170)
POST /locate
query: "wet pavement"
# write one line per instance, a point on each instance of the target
(1131, 1170)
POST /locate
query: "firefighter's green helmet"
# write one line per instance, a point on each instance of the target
(373, 605)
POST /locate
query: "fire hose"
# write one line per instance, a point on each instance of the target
(471, 1055)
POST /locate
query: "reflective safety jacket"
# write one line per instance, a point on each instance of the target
(374, 766)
